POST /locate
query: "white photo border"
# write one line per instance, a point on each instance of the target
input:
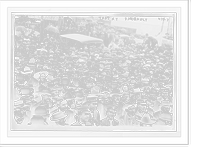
(44, 136)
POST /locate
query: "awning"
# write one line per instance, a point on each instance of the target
(82, 38)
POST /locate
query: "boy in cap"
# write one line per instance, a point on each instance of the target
(129, 117)
(116, 100)
(83, 118)
(92, 108)
(110, 114)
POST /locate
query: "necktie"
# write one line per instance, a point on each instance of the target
(111, 122)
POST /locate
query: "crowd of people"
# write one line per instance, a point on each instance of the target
(116, 83)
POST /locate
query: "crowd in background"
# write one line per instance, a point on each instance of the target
(118, 82)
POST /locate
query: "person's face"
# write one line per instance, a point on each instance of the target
(19, 112)
(142, 74)
(84, 91)
(120, 81)
(27, 76)
(116, 98)
(165, 109)
(85, 116)
(63, 105)
(142, 107)
(131, 86)
(138, 95)
(79, 100)
(107, 83)
(110, 114)
(165, 95)
(46, 98)
(27, 106)
(106, 94)
(131, 110)
(42, 77)
(55, 93)
(153, 97)
(61, 122)
(65, 87)
(89, 85)
(155, 84)
(125, 88)
(92, 105)
(146, 89)
(20, 84)
(71, 103)
(100, 85)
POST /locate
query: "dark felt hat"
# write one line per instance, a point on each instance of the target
(45, 91)
(65, 80)
(108, 78)
(20, 78)
(69, 96)
(82, 86)
(25, 91)
(154, 92)
(79, 94)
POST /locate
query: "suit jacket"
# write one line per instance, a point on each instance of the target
(106, 122)
(35, 84)
(17, 95)
(120, 111)
(126, 120)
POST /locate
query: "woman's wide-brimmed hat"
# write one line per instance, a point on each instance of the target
(58, 116)
(147, 120)
(136, 90)
(165, 103)
(27, 70)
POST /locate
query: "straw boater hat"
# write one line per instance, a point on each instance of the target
(136, 90)
(27, 70)
(18, 104)
(165, 103)
(58, 116)
(146, 120)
